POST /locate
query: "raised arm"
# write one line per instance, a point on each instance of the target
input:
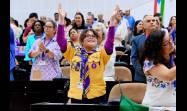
(61, 40)
(109, 44)
(163, 73)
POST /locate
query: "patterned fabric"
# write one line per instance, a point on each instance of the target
(51, 69)
(153, 80)
(147, 65)
(158, 93)
(157, 83)
(84, 76)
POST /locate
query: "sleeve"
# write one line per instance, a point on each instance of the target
(109, 44)
(105, 57)
(147, 66)
(27, 48)
(69, 53)
(56, 51)
(27, 30)
(12, 41)
(61, 40)
(34, 47)
(133, 23)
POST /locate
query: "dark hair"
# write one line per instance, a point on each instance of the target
(68, 21)
(70, 31)
(83, 34)
(55, 13)
(33, 14)
(54, 24)
(83, 22)
(159, 16)
(153, 47)
(171, 20)
(135, 33)
(25, 22)
(95, 19)
(16, 23)
(42, 25)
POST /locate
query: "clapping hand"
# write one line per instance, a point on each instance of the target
(42, 47)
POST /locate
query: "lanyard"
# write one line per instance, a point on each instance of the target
(48, 42)
(43, 55)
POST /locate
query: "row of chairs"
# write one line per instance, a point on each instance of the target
(121, 73)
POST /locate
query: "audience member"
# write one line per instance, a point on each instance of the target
(160, 71)
(149, 24)
(86, 77)
(47, 54)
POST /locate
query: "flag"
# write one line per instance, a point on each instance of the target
(159, 7)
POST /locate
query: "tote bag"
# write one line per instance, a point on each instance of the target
(127, 104)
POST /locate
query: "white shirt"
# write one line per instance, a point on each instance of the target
(158, 93)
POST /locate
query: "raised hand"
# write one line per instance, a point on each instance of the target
(62, 14)
(117, 8)
(113, 18)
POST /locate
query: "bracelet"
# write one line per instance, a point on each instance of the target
(47, 51)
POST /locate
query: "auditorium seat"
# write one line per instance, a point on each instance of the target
(134, 91)
(122, 73)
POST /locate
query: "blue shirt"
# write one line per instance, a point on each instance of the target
(131, 21)
(31, 39)
(12, 50)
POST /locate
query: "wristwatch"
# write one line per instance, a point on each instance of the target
(47, 50)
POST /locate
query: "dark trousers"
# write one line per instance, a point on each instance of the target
(97, 100)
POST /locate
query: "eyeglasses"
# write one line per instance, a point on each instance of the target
(89, 36)
(37, 25)
(148, 21)
(48, 26)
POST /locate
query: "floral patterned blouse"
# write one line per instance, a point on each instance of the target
(158, 93)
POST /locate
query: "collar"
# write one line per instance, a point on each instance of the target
(52, 40)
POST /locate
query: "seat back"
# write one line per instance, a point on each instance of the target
(66, 71)
(134, 91)
(122, 73)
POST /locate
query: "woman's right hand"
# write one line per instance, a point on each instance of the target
(62, 14)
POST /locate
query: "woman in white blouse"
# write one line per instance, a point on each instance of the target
(160, 71)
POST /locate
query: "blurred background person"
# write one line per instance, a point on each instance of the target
(149, 25)
(12, 54)
(38, 29)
